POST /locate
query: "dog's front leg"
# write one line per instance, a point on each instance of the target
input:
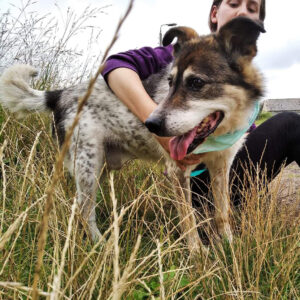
(220, 189)
(188, 224)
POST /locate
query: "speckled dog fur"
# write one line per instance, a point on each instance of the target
(109, 132)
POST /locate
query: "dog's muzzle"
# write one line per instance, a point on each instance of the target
(156, 125)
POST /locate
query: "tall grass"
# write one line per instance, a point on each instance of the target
(142, 255)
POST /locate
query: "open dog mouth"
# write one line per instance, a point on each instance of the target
(181, 145)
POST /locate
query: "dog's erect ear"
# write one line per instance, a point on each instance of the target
(183, 34)
(239, 36)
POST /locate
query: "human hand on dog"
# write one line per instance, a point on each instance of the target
(189, 160)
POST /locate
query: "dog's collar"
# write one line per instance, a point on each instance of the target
(222, 142)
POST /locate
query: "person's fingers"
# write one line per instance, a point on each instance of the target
(181, 165)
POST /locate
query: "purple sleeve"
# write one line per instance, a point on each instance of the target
(145, 61)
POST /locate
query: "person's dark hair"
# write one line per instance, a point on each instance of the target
(217, 3)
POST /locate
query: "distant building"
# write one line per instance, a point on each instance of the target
(280, 105)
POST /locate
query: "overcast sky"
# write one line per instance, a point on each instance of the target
(279, 48)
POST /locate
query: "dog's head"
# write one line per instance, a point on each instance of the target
(213, 84)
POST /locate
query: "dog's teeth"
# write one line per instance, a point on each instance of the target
(199, 129)
(206, 120)
(203, 124)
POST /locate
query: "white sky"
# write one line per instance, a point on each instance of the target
(279, 48)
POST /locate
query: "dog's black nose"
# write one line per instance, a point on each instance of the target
(154, 124)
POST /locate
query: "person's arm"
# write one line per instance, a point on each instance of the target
(125, 71)
(127, 86)
(123, 74)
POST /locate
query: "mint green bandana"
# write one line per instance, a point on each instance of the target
(218, 143)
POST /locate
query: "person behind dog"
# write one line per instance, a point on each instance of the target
(274, 143)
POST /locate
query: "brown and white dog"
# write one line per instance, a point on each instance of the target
(212, 89)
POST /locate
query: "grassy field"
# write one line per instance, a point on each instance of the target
(143, 255)
(145, 258)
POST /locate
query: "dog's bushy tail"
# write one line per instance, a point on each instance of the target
(17, 95)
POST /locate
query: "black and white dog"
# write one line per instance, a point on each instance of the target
(210, 89)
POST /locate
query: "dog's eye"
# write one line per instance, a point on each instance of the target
(195, 83)
(170, 81)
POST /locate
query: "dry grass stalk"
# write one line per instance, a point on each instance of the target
(57, 278)
(16, 225)
(17, 286)
(143, 283)
(129, 266)
(31, 155)
(120, 286)
(60, 159)
(237, 274)
(120, 283)
(4, 126)
(99, 268)
(12, 228)
(161, 275)
(102, 242)
(4, 185)
(116, 233)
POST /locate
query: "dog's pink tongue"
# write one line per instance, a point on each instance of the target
(179, 144)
